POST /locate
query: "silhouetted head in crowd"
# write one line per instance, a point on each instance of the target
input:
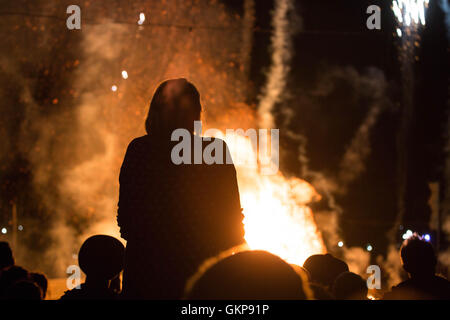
(9, 276)
(248, 275)
(419, 260)
(24, 290)
(175, 104)
(350, 286)
(12, 274)
(418, 257)
(6, 255)
(324, 268)
(41, 281)
(101, 259)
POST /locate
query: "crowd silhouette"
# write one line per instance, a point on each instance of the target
(176, 216)
(241, 275)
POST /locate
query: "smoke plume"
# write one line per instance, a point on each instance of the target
(281, 45)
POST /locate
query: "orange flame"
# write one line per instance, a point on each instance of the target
(277, 218)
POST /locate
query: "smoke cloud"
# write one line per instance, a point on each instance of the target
(66, 131)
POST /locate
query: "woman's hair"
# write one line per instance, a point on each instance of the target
(175, 104)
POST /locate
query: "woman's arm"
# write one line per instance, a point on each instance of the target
(124, 210)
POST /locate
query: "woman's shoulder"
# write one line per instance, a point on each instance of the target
(138, 143)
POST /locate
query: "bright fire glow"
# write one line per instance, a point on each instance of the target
(277, 218)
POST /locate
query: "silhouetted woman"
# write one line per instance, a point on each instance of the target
(173, 216)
